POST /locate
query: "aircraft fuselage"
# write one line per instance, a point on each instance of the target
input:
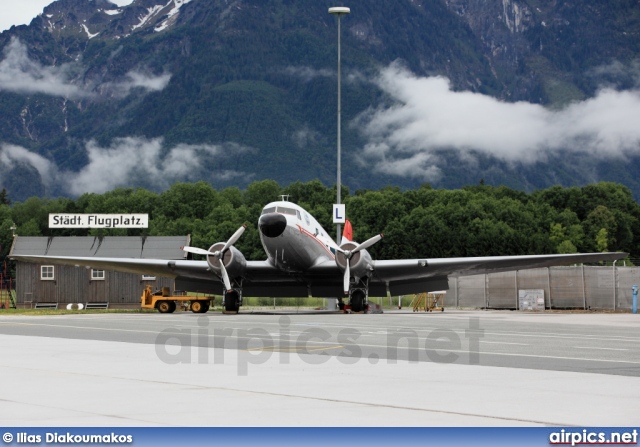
(293, 240)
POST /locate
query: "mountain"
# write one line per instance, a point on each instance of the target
(522, 93)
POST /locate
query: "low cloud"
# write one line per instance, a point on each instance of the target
(424, 116)
(134, 79)
(305, 137)
(12, 156)
(308, 73)
(21, 74)
(617, 74)
(129, 162)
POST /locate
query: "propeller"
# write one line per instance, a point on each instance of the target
(219, 254)
(349, 253)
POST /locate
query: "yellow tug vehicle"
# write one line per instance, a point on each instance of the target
(167, 303)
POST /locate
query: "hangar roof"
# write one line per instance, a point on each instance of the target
(143, 247)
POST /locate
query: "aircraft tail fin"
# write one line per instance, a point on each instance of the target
(347, 233)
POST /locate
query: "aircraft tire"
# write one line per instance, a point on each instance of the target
(231, 302)
(357, 301)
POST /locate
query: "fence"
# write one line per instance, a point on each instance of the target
(581, 287)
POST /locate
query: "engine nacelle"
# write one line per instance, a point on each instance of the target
(233, 259)
(359, 262)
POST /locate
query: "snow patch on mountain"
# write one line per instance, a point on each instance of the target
(91, 36)
(151, 12)
(172, 16)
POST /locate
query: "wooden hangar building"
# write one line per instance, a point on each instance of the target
(64, 285)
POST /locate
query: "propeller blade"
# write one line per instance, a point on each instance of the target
(225, 276)
(347, 276)
(198, 251)
(368, 243)
(234, 238)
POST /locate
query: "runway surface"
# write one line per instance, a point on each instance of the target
(471, 368)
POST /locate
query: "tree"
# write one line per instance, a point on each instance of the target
(4, 197)
(597, 220)
(601, 240)
(262, 192)
(187, 200)
(474, 221)
(567, 247)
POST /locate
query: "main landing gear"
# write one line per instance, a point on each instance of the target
(232, 301)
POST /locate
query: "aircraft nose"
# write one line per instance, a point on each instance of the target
(272, 224)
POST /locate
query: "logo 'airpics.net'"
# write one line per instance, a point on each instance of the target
(98, 220)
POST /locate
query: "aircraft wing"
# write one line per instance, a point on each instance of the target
(156, 267)
(425, 275)
(406, 276)
(401, 277)
(261, 278)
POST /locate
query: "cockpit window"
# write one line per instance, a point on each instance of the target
(269, 210)
(284, 210)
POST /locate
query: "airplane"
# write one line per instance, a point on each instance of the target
(302, 260)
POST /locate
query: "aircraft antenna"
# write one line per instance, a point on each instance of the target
(284, 197)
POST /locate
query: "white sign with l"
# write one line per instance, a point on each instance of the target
(339, 213)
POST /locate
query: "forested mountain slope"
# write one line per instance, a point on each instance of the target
(522, 93)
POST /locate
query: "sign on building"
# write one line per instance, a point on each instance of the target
(531, 299)
(98, 221)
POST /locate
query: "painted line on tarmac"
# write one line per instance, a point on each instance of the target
(300, 349)
(603, 349)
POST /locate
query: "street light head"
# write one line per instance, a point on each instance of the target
(339, 10)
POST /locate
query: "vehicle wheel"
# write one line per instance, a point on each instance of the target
(196, 307)
(164, 307)
(205, 307)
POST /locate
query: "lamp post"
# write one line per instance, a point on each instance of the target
(339, 11)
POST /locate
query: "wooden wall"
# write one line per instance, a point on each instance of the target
(74, 285)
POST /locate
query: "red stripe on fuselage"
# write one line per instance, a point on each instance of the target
(313, 236)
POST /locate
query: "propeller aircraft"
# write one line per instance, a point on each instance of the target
(302, 260)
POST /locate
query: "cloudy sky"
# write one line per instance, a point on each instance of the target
(425, 115)
(21, 12)
(404, 135)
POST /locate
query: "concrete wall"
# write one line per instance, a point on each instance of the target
(581, 287)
